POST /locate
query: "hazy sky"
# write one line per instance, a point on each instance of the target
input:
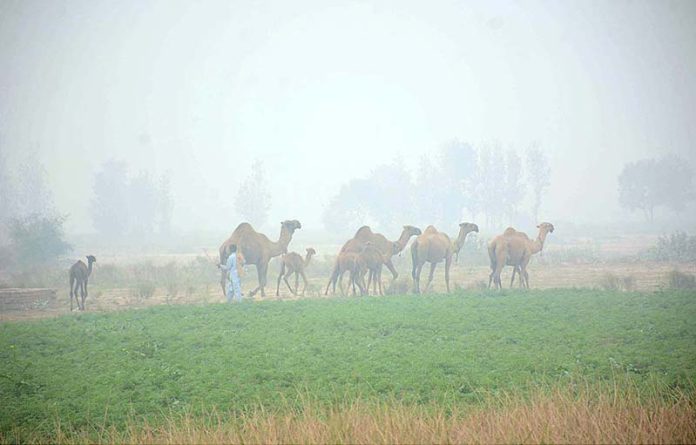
(323, 91)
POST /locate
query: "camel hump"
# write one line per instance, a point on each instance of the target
(244, 227)
(430, 229)
(363, 232)
(509, 231)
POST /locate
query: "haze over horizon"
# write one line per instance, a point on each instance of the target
(324, 92)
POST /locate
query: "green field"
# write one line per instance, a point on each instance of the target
(111, 368)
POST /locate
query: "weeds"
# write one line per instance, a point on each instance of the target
(681, 280)
(612, 282)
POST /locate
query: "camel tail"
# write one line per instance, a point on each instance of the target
(414, 259)
(492, 256)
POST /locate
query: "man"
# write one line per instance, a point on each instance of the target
(234, 285)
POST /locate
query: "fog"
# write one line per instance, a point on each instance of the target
(326, 92)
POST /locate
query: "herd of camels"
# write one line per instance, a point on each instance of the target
(367, 252)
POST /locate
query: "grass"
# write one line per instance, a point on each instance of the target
(126, 369)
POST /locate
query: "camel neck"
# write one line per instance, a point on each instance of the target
(281, 246)
(403, 240)
(539, 242)
(459, 243)
(307, 258)
(89, 267)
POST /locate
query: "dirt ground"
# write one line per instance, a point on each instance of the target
(25, 304)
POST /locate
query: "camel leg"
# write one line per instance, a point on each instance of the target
(369, 281)
(391, 268)
(260, 286)
(84, 297)
(512, 280)
(223, 276)
(287, 283)
(280, 276)
(297, 282)
(304, 279)
(419, 269)
(340, 283)
(332, 279)
(262, 279)
(448, 264)
(379, 280)
(72, 292)
(430, 277)
(523, 271)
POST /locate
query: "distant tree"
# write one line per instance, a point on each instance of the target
(458, 164)
(32, 194)
(538, 176)
(514, 186)
(37, 239)
(7, 203)
(346, 211)
(109, 207)
(253, 199)
(650, 183)
(490, 183)
(143, 205)
(165, 205)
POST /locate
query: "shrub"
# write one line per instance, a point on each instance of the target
(38, 239)
(612, 282)
(678, 246)
(681, 280)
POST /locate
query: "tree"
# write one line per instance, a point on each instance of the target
(109, 207)
(650, 183)
(253, 199)
(538, 176)
(143, 205)
(38, 239)
(514, 187)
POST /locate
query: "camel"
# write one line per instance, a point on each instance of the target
(293, 263)
(348, 262)
(374, 260)
(515, 249)
(257, 249)
(79, 274)
(433, 246)
(386, 247)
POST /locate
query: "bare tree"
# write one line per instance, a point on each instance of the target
(538, 175)
(253, 198)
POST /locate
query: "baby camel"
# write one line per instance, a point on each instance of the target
(79, 274)
(353, 263)
(292, 263)
(374, 259)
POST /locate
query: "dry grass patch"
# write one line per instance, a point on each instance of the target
(589, 414)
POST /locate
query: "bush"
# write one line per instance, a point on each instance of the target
(681, 280)
(611, 282)
(678, 246)
(37, 239)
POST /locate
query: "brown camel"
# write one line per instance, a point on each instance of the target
(79, 275)
(374, 260)
(433, 246)
(257, 249)
(515, 249)
(292, 263)
(386, 247)
(348, 262)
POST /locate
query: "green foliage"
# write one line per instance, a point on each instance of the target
(612, 282)
(38, 239)
(681, 280)
(90, 369)
(678, 246)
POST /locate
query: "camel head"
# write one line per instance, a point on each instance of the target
(291, 225)
(91, 259)
(310, 251)
(468, 227)
(412, 231)
(545, 227)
